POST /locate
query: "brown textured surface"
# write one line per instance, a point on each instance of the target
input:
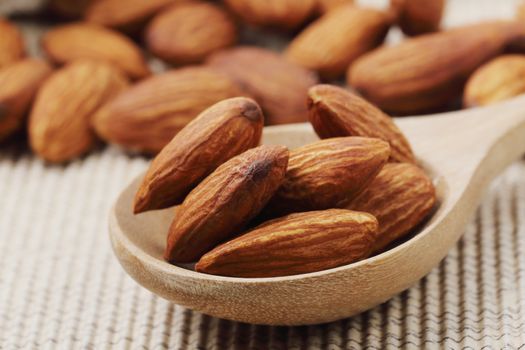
(334, 112)
(12, 46)
(224, 202)
(294, 244)
(222, 131)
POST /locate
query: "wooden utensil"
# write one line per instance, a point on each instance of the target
(462, 151)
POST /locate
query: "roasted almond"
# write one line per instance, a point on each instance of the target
(282, 14)
(325, 174)
(402, 78)
(219, 133)
(334, 41)
(279, 86)
(87, 41)
(336, 112)
(11, 43)
(221, 205)
(171, 35)
(148, 115)
(418, 16)
(323, 6)
(400, 197)
(495, 81)
(59, 124)
(295, 244)
(18, 84)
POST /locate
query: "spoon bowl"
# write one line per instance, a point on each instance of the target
(462, 151)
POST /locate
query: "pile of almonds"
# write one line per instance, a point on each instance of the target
(95, 84)
(245, 210)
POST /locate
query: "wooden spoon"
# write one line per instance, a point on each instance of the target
(462, 150)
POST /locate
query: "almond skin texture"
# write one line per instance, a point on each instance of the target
(335, 40)
(335, 112)
(400, 197)
(172, 35)
(59, 124)
(148, 115)
(402, 79)
(221, 205)
(76, 41)
(11, 43)
(327, 173)
(418, 16)
(323, 6)
(495, 81)
(279, 86)
(18, 84)
(221, 132)
(295, 244)
(281, 14)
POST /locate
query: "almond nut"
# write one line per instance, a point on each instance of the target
(11, 43)
(418, 17)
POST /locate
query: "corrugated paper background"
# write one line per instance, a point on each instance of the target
(62, 288)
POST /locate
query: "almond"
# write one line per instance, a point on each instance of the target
(336, 112)
(87, 41)
(323, 6)
(279, 86)
(400, 197)
(327, 173)
(18, 84)
(172, 35)
(219, 133)
(11, 43)
(282, 14)
(497, 80)
(402, 79)
(418, 16)
(69, 8)
(335, 40)
(148, 115)
(295, 244)
(221, 205)
(59, 124)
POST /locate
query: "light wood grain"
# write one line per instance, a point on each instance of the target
(463, 151)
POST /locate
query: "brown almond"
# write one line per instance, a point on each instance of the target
(402, 79)
(417, 17)
(295, 244)
(12, 47)
(495, 81)
(336, 112)
(18, 84)
(219, 133)
(69, 8)
(281, 14)
(279, 86)
(325, 174)
(324, 6)
(400, 197)
(333, 42)
(59, 124)
(221, 205)
(87, 41)
(148, 115)
(171, 35)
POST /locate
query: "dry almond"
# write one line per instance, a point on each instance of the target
(418, 16)
(282, 14)
(428, 72)
(400, 197)
(279, 86)
(327, 173)
(221, 205)
(335, 40)
(18, 84)
(59, 124)
(87, 41)
(11, 43)
(295, 244)
(221, 132)
(336, 112)
(148, 115)
(172, 36)
(323, 6)
(497, 80)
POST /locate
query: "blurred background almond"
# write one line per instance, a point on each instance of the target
(418, 16)
(12, 47)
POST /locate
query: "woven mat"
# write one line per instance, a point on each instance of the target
(62, 288)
